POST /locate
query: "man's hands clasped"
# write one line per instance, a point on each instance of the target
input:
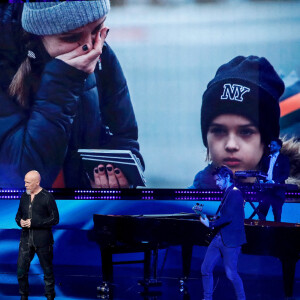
(25, 223)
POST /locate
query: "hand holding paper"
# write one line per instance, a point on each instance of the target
(108, 177)
(112, 168)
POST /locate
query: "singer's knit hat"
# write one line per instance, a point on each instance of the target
(246, 86)
(48, 18)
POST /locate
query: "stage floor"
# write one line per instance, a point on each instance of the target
(81, 283)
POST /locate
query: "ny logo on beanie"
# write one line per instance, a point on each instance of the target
(234, 92)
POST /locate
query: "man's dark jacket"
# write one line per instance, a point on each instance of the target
(43, 213)
(281, 168)
(231, 221)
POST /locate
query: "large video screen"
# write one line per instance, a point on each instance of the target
(168, 54)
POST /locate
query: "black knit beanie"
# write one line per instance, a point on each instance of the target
(246, 86)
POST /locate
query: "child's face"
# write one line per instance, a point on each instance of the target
(234, 141)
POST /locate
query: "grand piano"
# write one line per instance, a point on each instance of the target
(148, 233)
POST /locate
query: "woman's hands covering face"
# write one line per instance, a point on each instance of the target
(85, 57)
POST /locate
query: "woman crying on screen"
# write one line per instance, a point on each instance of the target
(63, 90)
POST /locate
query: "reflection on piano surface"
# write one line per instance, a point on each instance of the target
(145, 233)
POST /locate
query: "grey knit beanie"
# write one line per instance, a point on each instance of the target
(47, 18)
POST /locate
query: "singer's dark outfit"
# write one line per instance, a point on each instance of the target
(227, 243)
(274, 196)
(37, 239)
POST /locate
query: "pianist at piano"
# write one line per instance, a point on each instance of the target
(277, 167)
(229, 238)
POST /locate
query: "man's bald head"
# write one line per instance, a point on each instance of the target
(32, 182)
(35, 175)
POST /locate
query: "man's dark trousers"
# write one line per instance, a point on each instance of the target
(45, 255)
(274, 197)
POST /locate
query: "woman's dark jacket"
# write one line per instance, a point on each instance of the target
(69, 111)
(43, 214)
